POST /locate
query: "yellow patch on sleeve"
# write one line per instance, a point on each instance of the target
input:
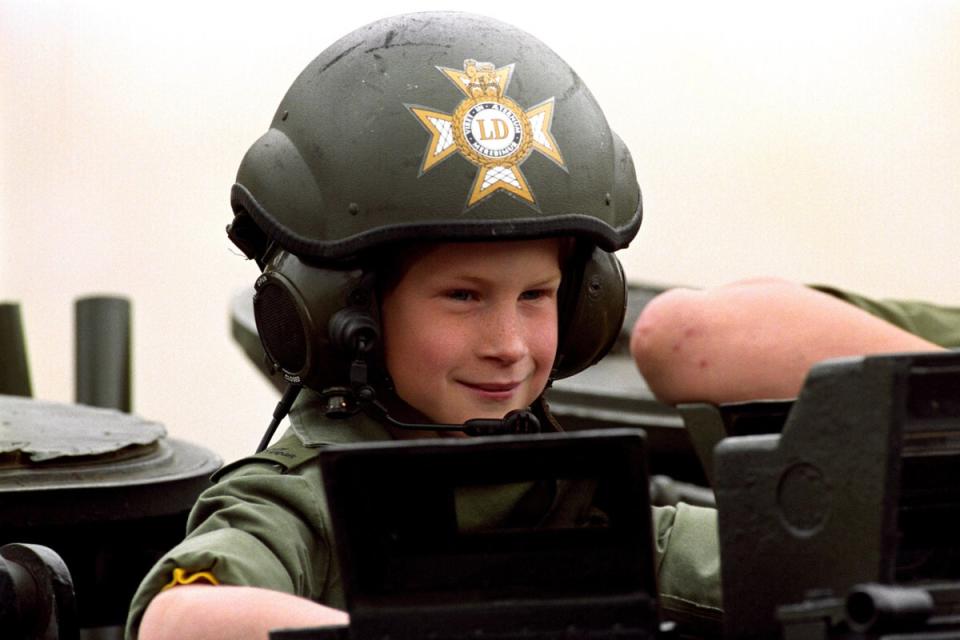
(181, 576)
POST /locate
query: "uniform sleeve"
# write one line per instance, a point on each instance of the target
(688, 566)
(256, 527)
(938, 324)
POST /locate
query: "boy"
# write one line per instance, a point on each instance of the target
(434, 209)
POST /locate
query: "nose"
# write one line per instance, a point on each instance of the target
(504, 335)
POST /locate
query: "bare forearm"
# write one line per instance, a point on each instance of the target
(750, 340)
(202, 612)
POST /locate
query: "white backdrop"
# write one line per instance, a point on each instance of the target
(809, 140)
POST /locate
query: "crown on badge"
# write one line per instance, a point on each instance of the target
(490, 130)
(483, 79)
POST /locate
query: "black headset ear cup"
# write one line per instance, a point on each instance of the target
(284, 325)
(294, 304)
(592, 315)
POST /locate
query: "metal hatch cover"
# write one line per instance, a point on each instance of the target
(44, 431)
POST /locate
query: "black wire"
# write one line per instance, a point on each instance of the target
(515, 422)
(282, 409)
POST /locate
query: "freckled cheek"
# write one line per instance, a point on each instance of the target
(542, 339)
(409, 346)
(547, 350)
(542, 343)
(440, 348)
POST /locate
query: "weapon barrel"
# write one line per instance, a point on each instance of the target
(877, 608)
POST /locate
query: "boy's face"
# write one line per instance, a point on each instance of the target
(470, 330)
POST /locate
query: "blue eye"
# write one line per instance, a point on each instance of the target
(535, 294)
(462, 295)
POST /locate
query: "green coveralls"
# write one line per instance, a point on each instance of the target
(264, 523)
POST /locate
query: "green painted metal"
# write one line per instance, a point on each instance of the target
(103, 352)
(14, 365)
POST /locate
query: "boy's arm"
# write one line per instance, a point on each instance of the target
(688, 567)
(205, 612)
(258, 526)
(751, 340)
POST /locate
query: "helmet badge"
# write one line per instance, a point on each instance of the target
(490, 130)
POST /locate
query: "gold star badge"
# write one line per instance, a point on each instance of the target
(490, 130)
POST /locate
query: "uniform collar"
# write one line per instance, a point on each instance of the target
(310, 423)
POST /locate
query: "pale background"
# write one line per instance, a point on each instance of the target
(815, 141)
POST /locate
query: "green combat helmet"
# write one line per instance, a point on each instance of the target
(421, 127)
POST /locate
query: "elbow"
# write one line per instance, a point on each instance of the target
(663, 344)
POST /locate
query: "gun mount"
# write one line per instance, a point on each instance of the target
(862, 486)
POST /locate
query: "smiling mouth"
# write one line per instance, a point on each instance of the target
(493, 389)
